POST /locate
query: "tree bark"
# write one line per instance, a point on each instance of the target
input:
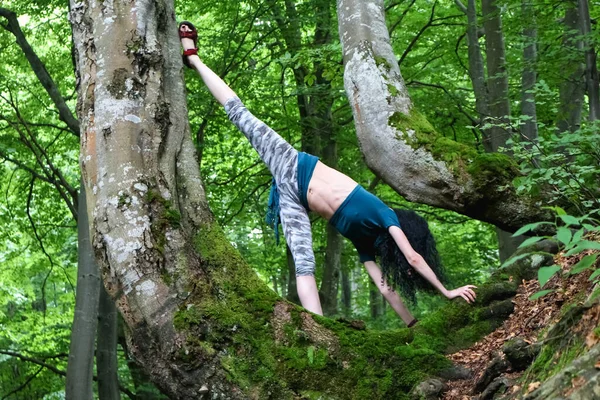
(402, 148)
(346, 292)
(79, 384)
(591, 69)
(106, 353)
(375, 303)
(572, 90)
(497, 81)
(529, 130)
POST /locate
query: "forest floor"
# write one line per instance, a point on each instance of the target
(528, 321)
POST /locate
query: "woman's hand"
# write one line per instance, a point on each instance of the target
(466, 292)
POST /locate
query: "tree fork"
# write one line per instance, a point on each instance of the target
(402, 148)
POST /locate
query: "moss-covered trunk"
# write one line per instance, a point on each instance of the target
(403, 148)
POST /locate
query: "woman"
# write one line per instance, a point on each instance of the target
(303, 184)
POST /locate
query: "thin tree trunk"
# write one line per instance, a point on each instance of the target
(498, 103)
(591, 69)
(79, 384)
(375, 304)
(476, 66)
(572, 90)
(529, 130)
(497, 81)
(292, 287)
(106, 354)
(346, 292)
(328, 292)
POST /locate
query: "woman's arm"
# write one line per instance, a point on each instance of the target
(213, 82)
(419, 264)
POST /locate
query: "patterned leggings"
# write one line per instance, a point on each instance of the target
(282, 160)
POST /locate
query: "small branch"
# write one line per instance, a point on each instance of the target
(24, 385)
(40, 70)
(57, 371)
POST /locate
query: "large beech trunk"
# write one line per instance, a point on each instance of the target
(401, 146)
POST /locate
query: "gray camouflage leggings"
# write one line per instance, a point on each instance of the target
(282, 160)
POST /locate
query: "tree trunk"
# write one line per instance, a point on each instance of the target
(476, 68)
(529, 130)
(572, 90)
(402, 148)
(106, 354)
(591, 70)
(497, 81)
(346, 292)
(144, 388)
(328, 292)
(375, 303)
(292, 287)
(79, 384)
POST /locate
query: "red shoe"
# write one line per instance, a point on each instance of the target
(192, 33)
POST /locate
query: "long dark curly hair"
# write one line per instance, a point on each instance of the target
(396, 270)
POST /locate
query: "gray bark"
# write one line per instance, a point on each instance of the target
(346, 292)
(476, 67)
(572, 90)
(79, 384)
(591, 70)
(328, 292)
(375, 303)
(292, 286)
(529, 131)
(497, 80)
(377, 94)
(106, 353)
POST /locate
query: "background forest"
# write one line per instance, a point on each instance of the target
(532, 88)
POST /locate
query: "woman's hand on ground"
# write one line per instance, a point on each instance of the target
(466, 292)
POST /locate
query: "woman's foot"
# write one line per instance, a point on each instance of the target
(189, 39)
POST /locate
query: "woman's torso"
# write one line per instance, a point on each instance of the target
(327, 190)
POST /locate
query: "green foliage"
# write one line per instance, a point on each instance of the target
(562, 165)
(570, 235)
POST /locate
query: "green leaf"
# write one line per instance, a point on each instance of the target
(569, 219)
(564, 235)
(311, 354)
(577, 236)
(531, 241)
(595, 274)
(545, 273)
(530, 227)
(539, 294)
(559, 211)
(584, 263)
(583, 245)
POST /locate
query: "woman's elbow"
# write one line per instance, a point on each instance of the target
(415, 260)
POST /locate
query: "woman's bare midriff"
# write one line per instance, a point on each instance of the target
(327, 190)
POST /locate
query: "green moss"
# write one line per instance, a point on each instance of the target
(382, 62)
(417, 132)
(392, 89)
(124, 199)
(492, 170)
(553, 358)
